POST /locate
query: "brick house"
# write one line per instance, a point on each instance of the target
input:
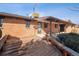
(21, 26)
(59, 25)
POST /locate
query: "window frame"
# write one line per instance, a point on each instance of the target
(28, 23)
(39, 27)
(56, 25)
(40, 24)
(45, 25)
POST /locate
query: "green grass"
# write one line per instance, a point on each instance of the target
(71, 40)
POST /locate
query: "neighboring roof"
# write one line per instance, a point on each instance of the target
(41, 19)
(54, 19)
(19, 16)
(12, 15)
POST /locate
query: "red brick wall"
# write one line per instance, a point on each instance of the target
(17, 27)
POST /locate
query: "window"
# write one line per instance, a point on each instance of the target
(27, 23)
(56, 25)
(39, 27)
(62, 26)
(1, 21)
(45, 25)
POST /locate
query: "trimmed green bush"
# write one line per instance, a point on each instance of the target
(71, 40)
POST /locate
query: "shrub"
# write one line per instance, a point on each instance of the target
(71, 40)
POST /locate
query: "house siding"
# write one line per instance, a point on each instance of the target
(17, 27)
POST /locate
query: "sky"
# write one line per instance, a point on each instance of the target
(59, 10)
